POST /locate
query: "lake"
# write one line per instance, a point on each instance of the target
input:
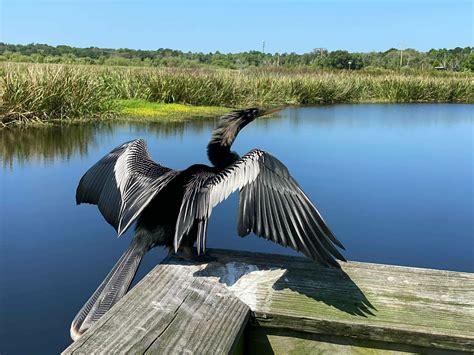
(393, 182)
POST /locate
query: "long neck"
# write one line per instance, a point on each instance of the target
(221, 156)
(218, 149)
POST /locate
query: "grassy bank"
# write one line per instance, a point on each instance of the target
(143, 110)
(40, 92)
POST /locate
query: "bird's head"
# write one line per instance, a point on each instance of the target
(218, 149)
(230, 124)
(248, 115)
(238, 119)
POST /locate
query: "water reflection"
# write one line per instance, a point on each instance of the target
(46, 144)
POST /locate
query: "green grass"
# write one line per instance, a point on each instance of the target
(40, 92)
(142, 109)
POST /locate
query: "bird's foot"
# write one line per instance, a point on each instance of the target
(205, 258)
(190, 254)
(184, 253)
(201, 258)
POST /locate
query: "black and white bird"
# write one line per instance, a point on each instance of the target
(171, 208)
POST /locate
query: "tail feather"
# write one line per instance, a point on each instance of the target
(110, 291)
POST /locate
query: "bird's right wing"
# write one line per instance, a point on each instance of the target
(122, 183)
(272, 205)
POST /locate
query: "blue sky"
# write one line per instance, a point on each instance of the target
(233, 26)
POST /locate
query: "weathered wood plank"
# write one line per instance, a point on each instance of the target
(421, 307)
(182, 306)
(260, 340)
(169, 311)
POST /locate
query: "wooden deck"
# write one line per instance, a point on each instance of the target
(262, 303)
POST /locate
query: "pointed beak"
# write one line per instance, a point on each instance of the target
(270, 111)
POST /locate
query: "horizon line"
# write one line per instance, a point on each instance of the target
(247, 51)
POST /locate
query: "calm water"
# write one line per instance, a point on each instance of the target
(394, 182)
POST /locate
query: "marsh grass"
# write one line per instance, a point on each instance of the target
(37, 92)
(33, 93)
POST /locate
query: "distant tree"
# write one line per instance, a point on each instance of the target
(340, 60)
(454, 59)
(468, 63)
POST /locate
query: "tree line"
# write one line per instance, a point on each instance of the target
(456, 59)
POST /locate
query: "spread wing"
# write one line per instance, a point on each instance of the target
(271, 205)
(122, 183)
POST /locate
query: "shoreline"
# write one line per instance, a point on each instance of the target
(138, 110)
(131, 110)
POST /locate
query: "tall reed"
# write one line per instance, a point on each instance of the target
(41, 92)
(38, 92)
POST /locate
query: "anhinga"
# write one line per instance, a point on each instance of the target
(171, 208)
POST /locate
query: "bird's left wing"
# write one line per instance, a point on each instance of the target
(272, 205)
(122, 183)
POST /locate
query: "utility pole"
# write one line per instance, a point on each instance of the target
(263, 46)
(321, 51)
(401, 53)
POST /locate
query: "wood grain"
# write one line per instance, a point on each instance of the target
(422, 307)
(260, 340)
(169, 311)
(199, 308)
